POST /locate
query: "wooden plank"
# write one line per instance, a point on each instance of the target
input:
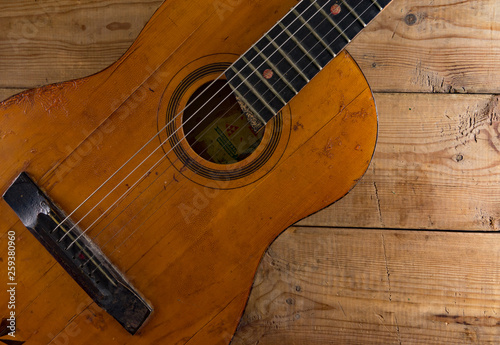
(418, 46)
(49, 41)
(445, 46)
(6, 93)
(436, 166)
(351, 286)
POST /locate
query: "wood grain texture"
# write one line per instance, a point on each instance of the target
(436, 167)
(451, 46)
(445, 46)
(188, 233)
(8, 92)
(351, 286)
(80, 39)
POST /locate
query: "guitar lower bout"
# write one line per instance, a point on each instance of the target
(189, 236)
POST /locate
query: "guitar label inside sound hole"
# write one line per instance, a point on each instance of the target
(216, 127)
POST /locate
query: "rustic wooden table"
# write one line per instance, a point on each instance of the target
(410, 255)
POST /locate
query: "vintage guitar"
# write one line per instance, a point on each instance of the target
(155, 186)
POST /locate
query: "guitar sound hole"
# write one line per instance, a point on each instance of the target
(216, 129)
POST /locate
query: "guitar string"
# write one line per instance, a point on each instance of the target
(116, 233)
(161, 189)
(181, 139)
(111, 221)
(133, 186)
(120, 183)
(233, 107)
(141, 224)
(160, 131)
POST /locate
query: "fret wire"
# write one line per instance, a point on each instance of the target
(121, 167)
(287, 58)
(301, 47)
(327, 16)
(254, 90)
(269, 86)
(275, 69)
(155, 211)
(312, 30)
(315, 34)
(354, 13)
(377, 4)
(134, 170)
(335, 26)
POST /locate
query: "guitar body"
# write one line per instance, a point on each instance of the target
(190, 235)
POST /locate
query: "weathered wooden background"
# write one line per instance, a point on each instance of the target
(410, 256)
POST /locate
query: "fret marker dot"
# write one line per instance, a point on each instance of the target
(335, 9)
(268, 73)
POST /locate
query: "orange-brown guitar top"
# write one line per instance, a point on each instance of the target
(191, 231)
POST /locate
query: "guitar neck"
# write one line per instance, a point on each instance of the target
(288, 56)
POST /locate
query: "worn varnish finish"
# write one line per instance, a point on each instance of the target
(452, 47)
(193, 250)
(435, 167)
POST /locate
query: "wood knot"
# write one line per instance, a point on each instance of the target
(118, 26)
(410, 19)
(459, 158)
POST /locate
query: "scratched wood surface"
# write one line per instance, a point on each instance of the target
(361, 271)
(351, 286)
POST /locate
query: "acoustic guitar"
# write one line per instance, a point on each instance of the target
(137, 202)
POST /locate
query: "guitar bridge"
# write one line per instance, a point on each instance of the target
(75, 252)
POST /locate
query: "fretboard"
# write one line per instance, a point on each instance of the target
(297, 48)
